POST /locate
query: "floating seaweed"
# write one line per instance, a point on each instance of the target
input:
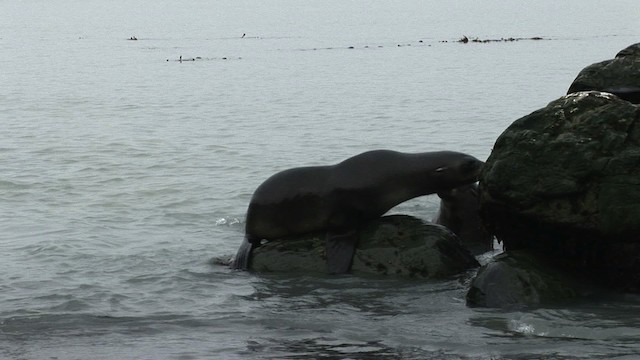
(464, 39)
(199, 58)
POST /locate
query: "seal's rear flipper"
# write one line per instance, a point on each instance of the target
(340, 248)
(241, 262)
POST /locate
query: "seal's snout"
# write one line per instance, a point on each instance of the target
(472, 167)
(480, 168)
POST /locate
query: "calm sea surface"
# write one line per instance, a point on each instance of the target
(124, 172)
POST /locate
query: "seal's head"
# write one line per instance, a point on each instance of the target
(454, 169)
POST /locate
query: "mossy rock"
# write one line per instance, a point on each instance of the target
(620, 76)
(565, 182)
(396, 245)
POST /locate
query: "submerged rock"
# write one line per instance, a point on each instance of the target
(565, 181)
(619, 76)
(396, 245)
(518, 279)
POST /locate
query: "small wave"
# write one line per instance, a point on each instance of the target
(90, 324)
(73, 305)
(325, 346)
(46, 248)
(11, 185)
(179, 203)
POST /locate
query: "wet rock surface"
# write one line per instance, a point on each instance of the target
(396, 245)
(519, 279)
(564, 181)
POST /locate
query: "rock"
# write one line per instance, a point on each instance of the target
(396, 245)
(633, 50)
(619, 76)
(518, 279)
(565, 181)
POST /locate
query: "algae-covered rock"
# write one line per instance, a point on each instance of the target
(632, 50)
(575, 162)
(301, 254)
(518, 279)
(395, 245)
(620, 76)
(406, 246)
(565, 181)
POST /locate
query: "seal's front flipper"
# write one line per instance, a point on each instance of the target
(241, 262)
(340, 248)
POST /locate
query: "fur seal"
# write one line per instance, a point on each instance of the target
(340, 198)
(459, 212)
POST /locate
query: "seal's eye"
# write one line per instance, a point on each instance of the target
(440, 169)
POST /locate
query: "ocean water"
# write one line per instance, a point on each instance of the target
(124, 172)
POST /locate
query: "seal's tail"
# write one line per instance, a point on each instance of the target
(241, 262)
